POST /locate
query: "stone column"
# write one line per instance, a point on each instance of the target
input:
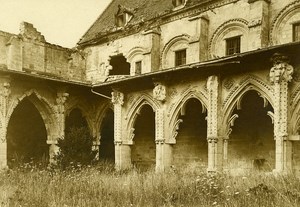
(122, 149)
(214, 142)
(60, 124)
(4, 96)
(159, 139)
(159, 93)
(280, 75)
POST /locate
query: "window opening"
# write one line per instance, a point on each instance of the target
(180, 57)
(296, 32)
(138, 67)
(233, 45)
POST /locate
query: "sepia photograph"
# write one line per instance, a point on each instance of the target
(150, 103)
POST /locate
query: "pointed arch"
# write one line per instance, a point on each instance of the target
(46, 110)
(145, 99)
(179, 109)
(233, 100)
(100, 114)
(84, 107)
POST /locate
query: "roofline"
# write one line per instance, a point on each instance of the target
(233, 59)
(96, 40)
(94, 22)
(3, 69)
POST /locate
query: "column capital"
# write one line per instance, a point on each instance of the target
(117, 97)
(281, 70)
(61, 98)
(5, 92)
(160, 91)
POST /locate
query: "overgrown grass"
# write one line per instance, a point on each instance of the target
(101, 185)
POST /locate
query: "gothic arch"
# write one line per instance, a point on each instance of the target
(230, 28)
(135, 110)
(44, 107)
(83, 106)
(285, 17)
(100, 116)
(176, 43)
(174, 120)
(236, 95)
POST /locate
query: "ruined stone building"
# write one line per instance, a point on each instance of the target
(209, 83)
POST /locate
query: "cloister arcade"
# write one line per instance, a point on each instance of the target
(236, 123)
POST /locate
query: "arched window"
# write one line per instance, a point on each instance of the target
(230, 38)
(175, 53)
(286, 26)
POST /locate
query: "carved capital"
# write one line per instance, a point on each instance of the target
(6, 89)
(160, 92)
(117, 97)
(281, 70)
(61, 98)
(212, 83)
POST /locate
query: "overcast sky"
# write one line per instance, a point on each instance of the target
(62, 22)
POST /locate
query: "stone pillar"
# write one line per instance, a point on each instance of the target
(4, 96)
(159, 139)
(122, 149)
(159, 93)
(214, 142)
(60, 124)
(280, 75)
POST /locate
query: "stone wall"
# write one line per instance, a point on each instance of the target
(29, 52)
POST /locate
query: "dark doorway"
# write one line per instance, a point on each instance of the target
(26, 136)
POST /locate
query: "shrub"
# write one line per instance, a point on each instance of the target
(76, 149)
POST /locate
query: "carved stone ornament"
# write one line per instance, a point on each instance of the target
(61, 98)
(159, 92)
(117, 98)
(6, 89)
(281, 71)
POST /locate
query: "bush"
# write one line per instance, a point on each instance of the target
(76, 149)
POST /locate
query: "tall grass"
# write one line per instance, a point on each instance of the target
(101, 185)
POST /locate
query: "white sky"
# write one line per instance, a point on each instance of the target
(62, 22)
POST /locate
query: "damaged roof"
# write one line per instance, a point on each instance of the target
(142, 10)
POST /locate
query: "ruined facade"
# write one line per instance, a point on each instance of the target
(208, 83)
